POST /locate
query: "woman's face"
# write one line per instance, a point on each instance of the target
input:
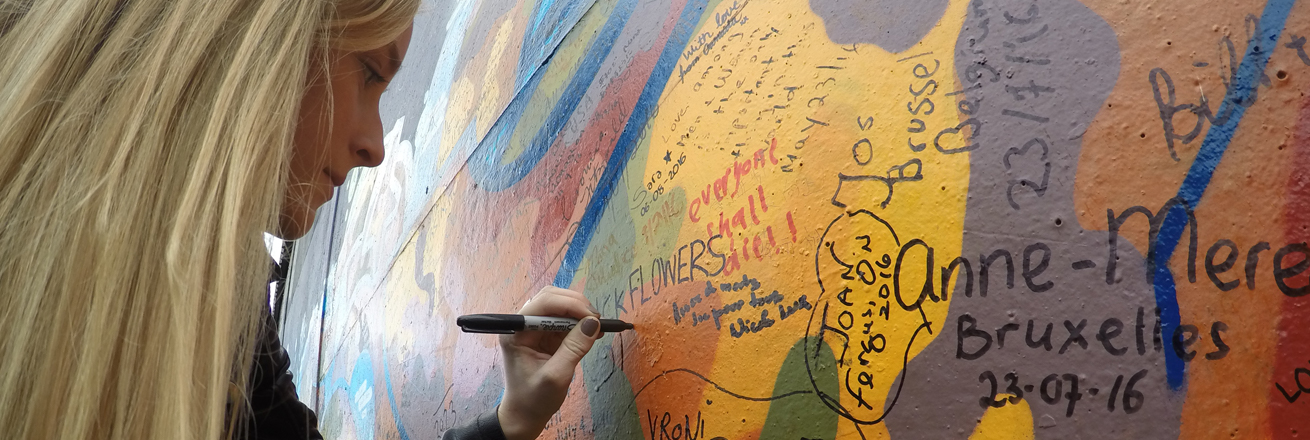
(339, 128)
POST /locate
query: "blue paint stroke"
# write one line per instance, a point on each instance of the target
(361, 378)
(537, 48)
(542, 10)
(391, 398)
(485, 168)
(627, 142)
(360, 396)
(1240, 92)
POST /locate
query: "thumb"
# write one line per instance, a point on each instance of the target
(572, 349)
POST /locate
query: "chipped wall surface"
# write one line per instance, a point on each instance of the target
(834, 219)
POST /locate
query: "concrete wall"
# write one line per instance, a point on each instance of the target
(834, 219)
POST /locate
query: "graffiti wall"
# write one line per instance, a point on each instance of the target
(834, 219)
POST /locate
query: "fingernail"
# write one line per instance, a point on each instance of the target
(590, 326)
(593, 309)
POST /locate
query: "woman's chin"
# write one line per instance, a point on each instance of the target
(295, 225)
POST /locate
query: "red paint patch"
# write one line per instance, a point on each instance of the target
(1288, 407)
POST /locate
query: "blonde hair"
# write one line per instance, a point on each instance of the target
(144, 147)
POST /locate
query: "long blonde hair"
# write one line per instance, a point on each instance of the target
(144, 147)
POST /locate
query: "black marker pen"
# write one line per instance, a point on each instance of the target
(509, 323)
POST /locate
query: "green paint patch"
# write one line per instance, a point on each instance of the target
(803, 415)
(658, 235)
(610, 395)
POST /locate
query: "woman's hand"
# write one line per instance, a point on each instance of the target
(540, 365)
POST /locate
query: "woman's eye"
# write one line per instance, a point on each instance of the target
(371, 75)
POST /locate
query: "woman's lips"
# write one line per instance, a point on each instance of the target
(334, 179)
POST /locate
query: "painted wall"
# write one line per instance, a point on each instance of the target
(834, 219)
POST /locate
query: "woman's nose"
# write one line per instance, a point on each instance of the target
(370, 154)
(368, 148)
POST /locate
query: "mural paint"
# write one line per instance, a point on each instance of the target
(486, 51)
(836, 219)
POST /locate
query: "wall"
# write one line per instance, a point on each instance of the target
(834, 219)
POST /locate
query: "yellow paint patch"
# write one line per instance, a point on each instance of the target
(491, 103)
(1014, 421)
(463, 95)
(778, 135)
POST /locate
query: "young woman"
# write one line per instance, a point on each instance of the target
(145, 146)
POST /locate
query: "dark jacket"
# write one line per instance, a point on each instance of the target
(276, 413)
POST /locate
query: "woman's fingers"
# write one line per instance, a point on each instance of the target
(559, 369)
(554, 301)
(540, 365)
(552, 290)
